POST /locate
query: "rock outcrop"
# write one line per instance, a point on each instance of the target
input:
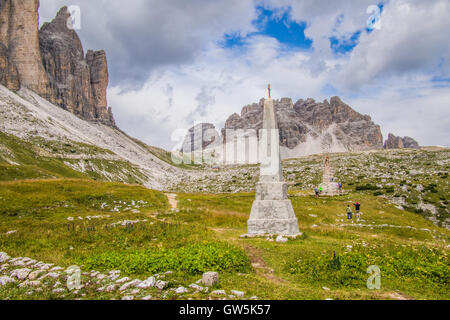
(20, 57)
(51, 61)
(199, 137)
(410, 143)
(9, 76)
(78, 82)
(394, 142)
(313, 127)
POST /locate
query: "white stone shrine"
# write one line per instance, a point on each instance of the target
(272, 212)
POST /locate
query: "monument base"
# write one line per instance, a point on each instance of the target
(330, 189)
(273, 217)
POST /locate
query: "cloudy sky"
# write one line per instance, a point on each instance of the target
(174, 63)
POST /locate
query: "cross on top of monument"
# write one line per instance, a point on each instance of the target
(269, 92)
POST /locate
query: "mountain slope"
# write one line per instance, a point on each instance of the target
(31, 118)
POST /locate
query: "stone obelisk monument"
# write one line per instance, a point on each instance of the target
(272, 212)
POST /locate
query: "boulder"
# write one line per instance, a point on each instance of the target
(181, 290)
(4, 280)
(21, 274)
(161, 284)
(35, 274)
(28, 283)
(238, 294)
(281, 239)
(210, 278)
(4, 257)
(150, 282)
(132, 283)
(122, 280)
(219, 292)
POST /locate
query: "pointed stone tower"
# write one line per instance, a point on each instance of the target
(329, 185)
(272, 212)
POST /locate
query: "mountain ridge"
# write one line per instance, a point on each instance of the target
(306, 127)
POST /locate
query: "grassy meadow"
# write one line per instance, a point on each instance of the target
(83, 222)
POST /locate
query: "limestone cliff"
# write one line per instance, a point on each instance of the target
(51, 61)
(20, 57)
(78, 82)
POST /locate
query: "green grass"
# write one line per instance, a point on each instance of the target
(204, 235)
(28, 163)
(44, 159)
(192, 259)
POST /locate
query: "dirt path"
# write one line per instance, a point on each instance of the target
(260, 266)
(172, 200)
(394, 296)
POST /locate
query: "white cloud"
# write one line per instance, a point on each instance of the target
(229, 79)
(141, 35)
(421, 113)
(170, 48)
(411, 41)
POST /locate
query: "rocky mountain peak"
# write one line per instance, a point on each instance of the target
(60, 30)
(51, 61)
(410, 143)
(309, 127)
(79, 83)
(394, 142)
(61, 21)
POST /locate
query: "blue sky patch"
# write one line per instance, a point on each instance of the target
(440, 79)
(345, 45)
(277, 24)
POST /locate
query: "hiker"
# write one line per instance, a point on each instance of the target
(358, 210)
(349, 213)
(321, 190)
(316, 191)
(340, 187)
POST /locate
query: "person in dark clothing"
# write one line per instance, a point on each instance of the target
(316, 191)
(358, 210)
